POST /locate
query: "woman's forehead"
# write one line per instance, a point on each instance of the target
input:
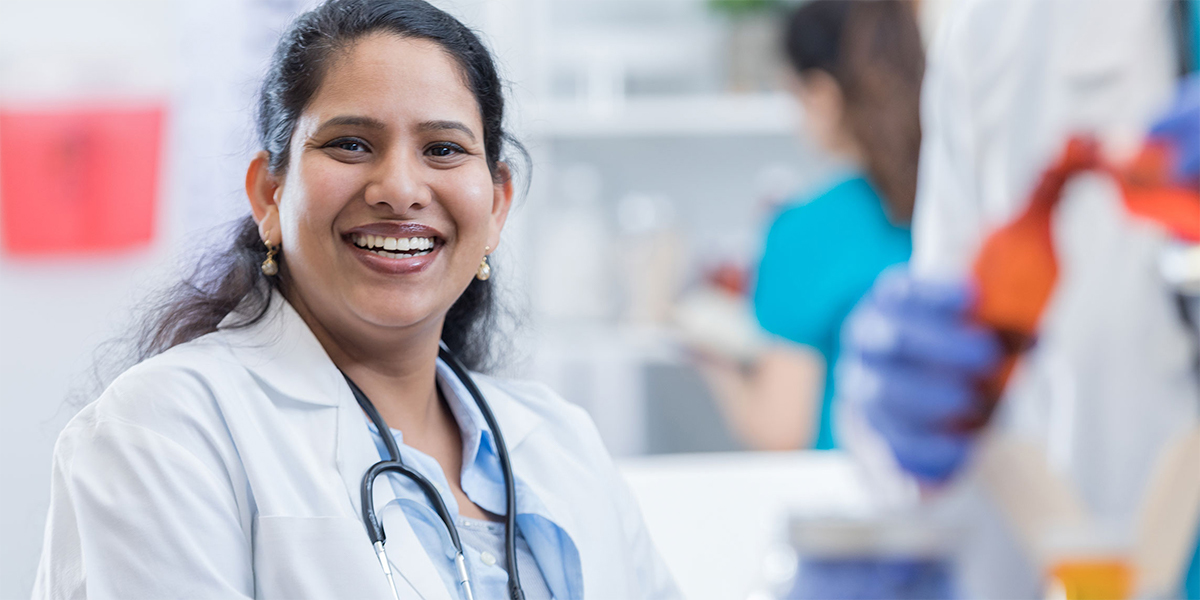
(396, 80)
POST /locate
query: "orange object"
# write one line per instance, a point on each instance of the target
(1095, 579)
(1150, 193)
(1017, 268)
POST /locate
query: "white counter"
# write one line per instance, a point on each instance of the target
(716, 517)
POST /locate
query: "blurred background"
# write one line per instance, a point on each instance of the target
(665, 139)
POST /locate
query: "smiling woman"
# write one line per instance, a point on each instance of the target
(240, 457)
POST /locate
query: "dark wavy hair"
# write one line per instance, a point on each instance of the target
(873, 50)
(232, 278)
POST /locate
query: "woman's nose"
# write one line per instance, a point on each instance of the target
(399, 183)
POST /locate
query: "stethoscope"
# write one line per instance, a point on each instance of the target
(396, 465)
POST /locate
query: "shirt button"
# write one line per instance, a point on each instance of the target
(487, 558)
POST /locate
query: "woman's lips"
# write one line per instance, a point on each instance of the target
(395, 247)
(394, 256)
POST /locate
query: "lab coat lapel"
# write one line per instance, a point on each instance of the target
(356, 452)
(281, 352)
(518, 423)
(543, 487)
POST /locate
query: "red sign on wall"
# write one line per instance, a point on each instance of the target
(78, 180)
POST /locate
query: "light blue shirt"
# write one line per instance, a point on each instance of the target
(482, 480)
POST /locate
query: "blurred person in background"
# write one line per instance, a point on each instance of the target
(1112, 376)
(856, 70)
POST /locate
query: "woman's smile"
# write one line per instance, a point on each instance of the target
(395, 248)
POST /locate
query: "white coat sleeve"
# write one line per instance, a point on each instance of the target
(137, 513)
(948, 215)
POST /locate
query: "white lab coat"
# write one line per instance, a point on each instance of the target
(230, 467)
(1008, 81)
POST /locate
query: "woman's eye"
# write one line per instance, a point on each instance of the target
(348, 144)
(444, 150)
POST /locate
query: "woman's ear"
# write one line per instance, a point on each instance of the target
(264, 190)
(502, 198)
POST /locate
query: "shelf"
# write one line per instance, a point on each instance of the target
(667, 116)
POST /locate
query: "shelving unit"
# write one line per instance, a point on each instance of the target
(766, 114)
(629, 106)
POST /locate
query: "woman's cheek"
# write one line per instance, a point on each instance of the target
(475, 201)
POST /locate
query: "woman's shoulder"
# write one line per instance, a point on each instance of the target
(834, 199)
(172, 387)
(531, 395)
(848, 215)
(536, 405)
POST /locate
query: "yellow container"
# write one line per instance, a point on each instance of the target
(1091, 579)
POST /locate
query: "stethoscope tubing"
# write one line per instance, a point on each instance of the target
(510, 484)
(395, 464)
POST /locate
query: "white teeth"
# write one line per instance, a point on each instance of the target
(391, 247)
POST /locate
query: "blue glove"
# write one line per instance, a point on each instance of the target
(1180, 127)
(912, 360)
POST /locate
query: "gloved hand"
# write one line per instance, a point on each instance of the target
(912, 359)
(1180, 127)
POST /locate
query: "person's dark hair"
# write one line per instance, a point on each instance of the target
(873, 50)
(233, 278)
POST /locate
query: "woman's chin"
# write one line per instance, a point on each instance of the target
(400, 313)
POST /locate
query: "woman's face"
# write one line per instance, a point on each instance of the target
(824, 106)
(387, 203)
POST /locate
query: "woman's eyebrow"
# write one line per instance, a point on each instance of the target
(441, 125)
(353, 121)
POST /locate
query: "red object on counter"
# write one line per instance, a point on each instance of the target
(1017, 267)
(79, 180)
(730, 278)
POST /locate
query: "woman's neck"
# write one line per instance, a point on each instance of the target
(396, 369)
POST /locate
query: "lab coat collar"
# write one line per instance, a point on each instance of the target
(281, 352)
(515, 420)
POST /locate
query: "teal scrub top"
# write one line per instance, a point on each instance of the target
(820, 258)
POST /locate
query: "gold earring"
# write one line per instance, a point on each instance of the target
(485, 270)
(269, 267)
